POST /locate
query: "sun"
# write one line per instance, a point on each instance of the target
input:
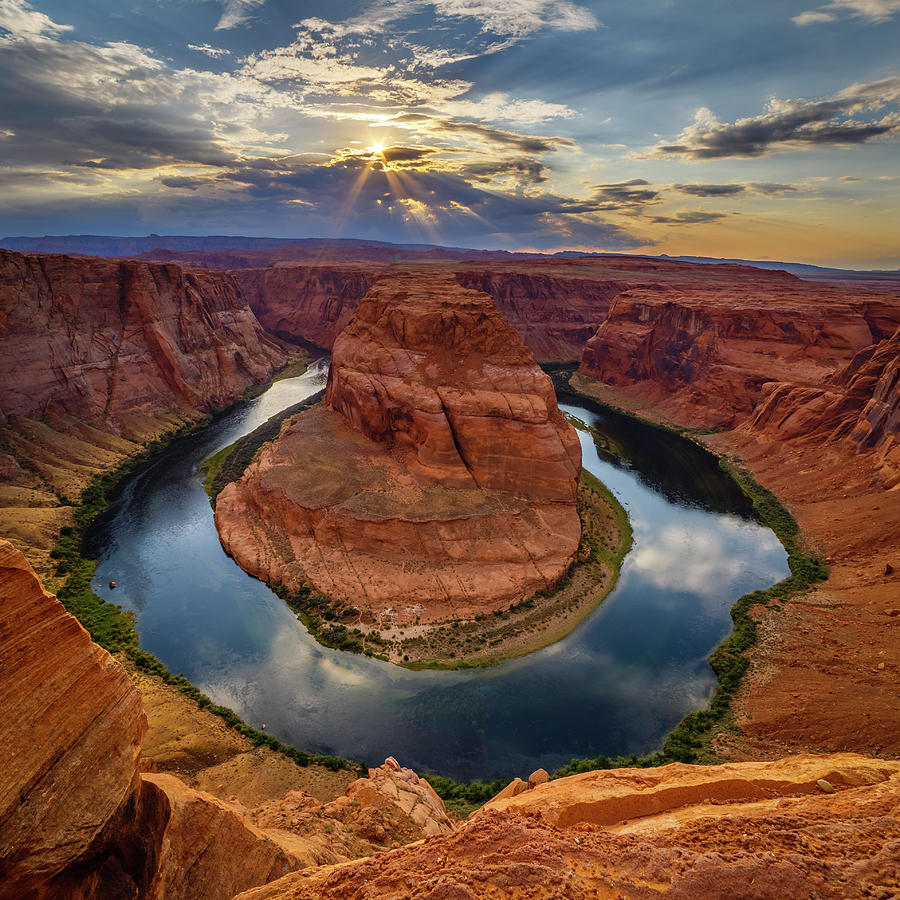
(376, 149)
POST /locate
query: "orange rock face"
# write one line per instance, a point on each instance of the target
(858, 406)
(77, 818)
(111, 341)
(704, 351)
(806, 826)
(70, 733)
(439, 481)
(309, 303)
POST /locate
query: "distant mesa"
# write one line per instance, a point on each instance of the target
(438, 479)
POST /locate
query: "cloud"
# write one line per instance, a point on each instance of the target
(521, 172)
(519, 18)
(710, 190)
(237, 12)
(509, 19)
(209, 50)
(873, 11)
(22, 23)
(625, 195)
(695, 217)
(772, 187)
(356, 194)
(838, 120)
(405, 154)
(502, 138)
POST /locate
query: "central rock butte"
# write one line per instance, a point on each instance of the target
(438, 481)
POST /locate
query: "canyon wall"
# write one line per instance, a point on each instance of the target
(704, 356)
(438, 482)
(306, 303)
(119, 342)
(555, 315)
(858, 407)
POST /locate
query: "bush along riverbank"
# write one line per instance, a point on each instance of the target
(113, 628)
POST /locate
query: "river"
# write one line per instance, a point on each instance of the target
(617, 685)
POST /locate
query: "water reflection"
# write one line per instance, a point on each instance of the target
(623, 679)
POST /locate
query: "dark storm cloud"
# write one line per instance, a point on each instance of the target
(357, 196)
(99, 107)
(772, 187)
(625, 195)
(833, 121)
(406, 154)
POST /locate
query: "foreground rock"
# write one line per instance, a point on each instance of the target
(745, 830)
(80, 819)
(70, 733)
(438, 482)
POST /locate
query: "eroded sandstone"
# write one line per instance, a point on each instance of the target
(119, 342)
(749, 830)
(438, 481)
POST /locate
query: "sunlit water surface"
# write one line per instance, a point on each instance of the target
(616, 685)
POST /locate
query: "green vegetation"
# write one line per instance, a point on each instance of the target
(462, 799)
(228, 464)
(113, 628)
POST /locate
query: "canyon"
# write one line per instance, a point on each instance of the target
(438, 481)
(798, 380)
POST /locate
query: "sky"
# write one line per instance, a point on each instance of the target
(759, 130)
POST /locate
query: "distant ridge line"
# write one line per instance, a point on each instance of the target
(113, 245)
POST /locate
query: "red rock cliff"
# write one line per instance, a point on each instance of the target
(306, 303)
(439, 482)
(857, 407)
(111, 341)
(556, 315)
(703, 353)
(77, 818)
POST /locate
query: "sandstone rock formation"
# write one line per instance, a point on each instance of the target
(859, 405)
(704, 351)
(806, 826)
(78, 817)
(439, 481)
(307, 303)
(70, 733)
(118, 342)
(555, 313)
(390, 807)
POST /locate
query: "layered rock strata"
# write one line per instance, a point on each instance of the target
(437, 482)
(82, 818)
(77, 817)
(858, 406)
(120, 342)
(706, 353)
(312, 304)
(801, 827)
